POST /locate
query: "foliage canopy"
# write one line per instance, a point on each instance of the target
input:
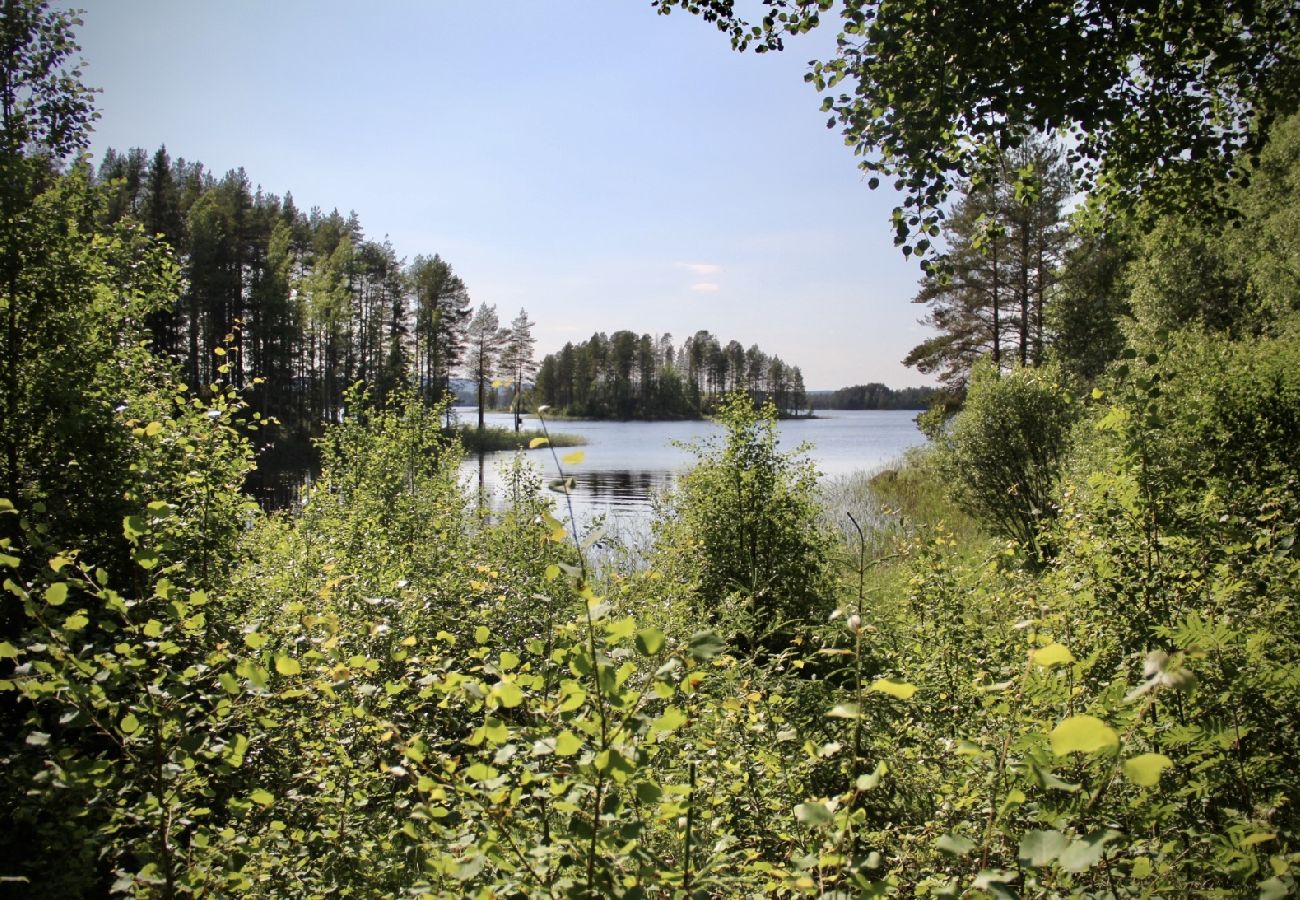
(1160, 100)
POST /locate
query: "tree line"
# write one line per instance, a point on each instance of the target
(626, 376)
(296, 305)
(872, 396)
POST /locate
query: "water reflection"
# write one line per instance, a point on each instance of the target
(630, 490)
(629, 464)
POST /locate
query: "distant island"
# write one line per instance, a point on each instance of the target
(872, 396)
(628, 376)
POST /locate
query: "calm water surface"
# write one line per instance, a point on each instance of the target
(629, 463)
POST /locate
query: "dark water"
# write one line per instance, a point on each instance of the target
(627, 464)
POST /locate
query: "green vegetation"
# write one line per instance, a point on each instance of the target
(622, 376)
(872, 396)
(1057, 654)
(491, 440)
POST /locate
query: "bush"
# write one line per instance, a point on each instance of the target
(1002, 456)
(743, 526)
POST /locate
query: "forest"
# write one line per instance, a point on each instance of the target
(1055, 653)
(299, 306)
(622, 376)
(872, 396)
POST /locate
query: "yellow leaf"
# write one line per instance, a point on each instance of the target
(1145, 770)
(56, 594)
(567, 743)
(901, 690)
(1082, 734)
(1053, 654)
(287, 665)
(574, 458)
(538, 442)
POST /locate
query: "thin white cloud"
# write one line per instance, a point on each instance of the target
(702, 268)
(706, 287)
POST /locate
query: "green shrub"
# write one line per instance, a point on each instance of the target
(743, 528)
(1002, 455)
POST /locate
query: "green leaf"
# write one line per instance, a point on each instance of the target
(287, 665)
(649, 641)
(254, 640)
(814, 815)
(153, 628)
(901, 690)
(1145, 770)
(129, 724)
(235, 753)
(619, 629)
(672, 719)
(954, 845)
(1083, 734)
(567, 743)
(552, 572)
(75, 622)
(508, 694)
(1273, 889)
(146, 558)
(845, 711)
(56, 594)
(1053, 654)
(8, 561)
(648, 792)
(496, 731)
(256, 675)
(8, 650)
(1083, 853)
(1038, 848)
(1258, 837)
(508, 660)
(262, 797)
(481, 634)
(480, 772)
(134, 527)
(705, 645)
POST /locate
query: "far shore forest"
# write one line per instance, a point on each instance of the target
(1055, 652)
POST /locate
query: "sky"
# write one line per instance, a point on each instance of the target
(596, 164)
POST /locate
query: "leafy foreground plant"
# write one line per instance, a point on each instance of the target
(387, 695)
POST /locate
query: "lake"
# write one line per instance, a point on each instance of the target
(629, 463)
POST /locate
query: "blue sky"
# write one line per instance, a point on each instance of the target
(595, 163)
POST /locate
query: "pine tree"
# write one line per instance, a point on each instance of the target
(1006, 243)
(442, 313)
(483, 341)
(517, 357)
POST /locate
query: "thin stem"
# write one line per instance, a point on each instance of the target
(690, 825)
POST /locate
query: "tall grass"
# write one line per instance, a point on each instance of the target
(491, 440)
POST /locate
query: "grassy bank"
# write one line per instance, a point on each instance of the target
(494, 439)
